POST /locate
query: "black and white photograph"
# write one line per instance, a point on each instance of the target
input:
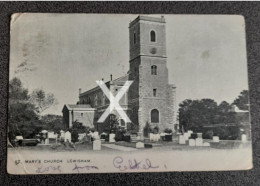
(106, 93)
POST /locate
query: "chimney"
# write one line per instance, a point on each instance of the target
(111, 77)
(79, 90)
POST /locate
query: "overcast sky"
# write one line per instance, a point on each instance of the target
(61, 53)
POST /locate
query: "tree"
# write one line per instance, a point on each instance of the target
(22, 119)
(53, 122)
(223, 114)
(77, 128)
(242, 101)
(193, 114)
(41, 100)
(16, 92)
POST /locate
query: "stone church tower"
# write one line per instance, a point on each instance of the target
(151, 97)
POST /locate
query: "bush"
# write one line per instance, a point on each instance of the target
(119, 136)
(74, 136)
(168, 130)
(156, 130)
(147, 129)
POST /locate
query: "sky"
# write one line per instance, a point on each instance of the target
(60, 53)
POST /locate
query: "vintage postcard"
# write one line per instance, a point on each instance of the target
(105, 93)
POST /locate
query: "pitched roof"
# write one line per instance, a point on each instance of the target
(120, 80)
(80, 107)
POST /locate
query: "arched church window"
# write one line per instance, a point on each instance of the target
(134, 38)
(154, 70)
(152, 36)
(154, 116)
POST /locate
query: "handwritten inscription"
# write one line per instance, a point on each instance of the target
(87, 167)
(122, 165)
(48, 169)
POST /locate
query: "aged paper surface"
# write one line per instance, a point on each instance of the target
(101, 93)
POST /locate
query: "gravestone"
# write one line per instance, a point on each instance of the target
(206, 144)
(243, 138)
(112, 138)
(190, 132)
(67, 136)
(133, 137)
(215, 139)
(199, 142)
(62, 134)
(97, 144)
(191, 142)
(47, 141)
(139, 145)
(140, 135)
(95, 135)
(151, 136)
(199, 135)
(186, 136)
(181, 139)
(155, 137)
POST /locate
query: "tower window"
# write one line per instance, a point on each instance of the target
(154, 70)
(154, 116)
(154, 92)
(81, 114)
(134, 38)
(152, 36)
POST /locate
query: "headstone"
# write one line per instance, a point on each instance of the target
(133, 137)
(97, 144)
(140, 135)
(156, 137)
(62, 134)
(190, 131)
(112, 138)
(139, 145)
(151, 136)
(186, 136)
(67, 136)
(206, 144)
(243, 138)
(47, 141)
(215, 139)
(181, 139)
(199, 142)
(52, 135)
(95, 135)
(191, 142)
(199, 135)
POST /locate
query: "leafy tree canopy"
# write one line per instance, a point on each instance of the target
(242, 101)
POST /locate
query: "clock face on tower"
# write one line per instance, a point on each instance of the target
(153, 50)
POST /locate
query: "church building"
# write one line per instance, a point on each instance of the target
(150, 98)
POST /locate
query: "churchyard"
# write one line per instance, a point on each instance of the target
(93, 141)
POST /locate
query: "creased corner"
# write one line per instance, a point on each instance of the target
(15, 17)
